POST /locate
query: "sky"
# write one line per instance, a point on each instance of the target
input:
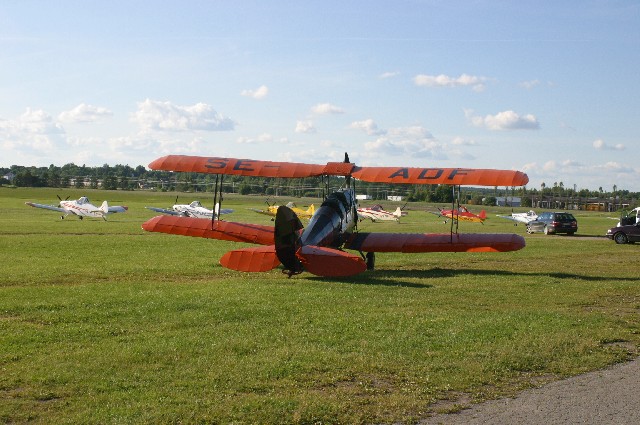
(550, 88)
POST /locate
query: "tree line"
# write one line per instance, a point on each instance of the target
(125, 177)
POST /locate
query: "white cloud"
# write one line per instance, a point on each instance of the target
(263, 138)
(506, 120)
(260, 93)
(84, 113)
(386, 75)
(601, 145)
(305, 127)
(459, 141)
(464, 80)
(368, 126)
(159, 116)
(34, 133)
(414, 141)
(618, 168)
(530, 84)
(326, 109)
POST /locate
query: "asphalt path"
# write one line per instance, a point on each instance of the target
(609, 396)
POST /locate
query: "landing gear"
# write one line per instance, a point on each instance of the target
(370, 260)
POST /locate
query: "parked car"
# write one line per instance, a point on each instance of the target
(625, 234)
(553, 222)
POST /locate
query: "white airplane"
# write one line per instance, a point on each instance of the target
(521, 217)
(81, 208)
(377, 213)
(629, 218)
(194, 209)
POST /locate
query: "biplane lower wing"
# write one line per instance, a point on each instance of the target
(205, 228)
(445, 242)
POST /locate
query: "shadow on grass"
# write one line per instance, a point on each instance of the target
(397, 277)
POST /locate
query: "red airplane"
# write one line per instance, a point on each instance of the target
(462, 213)
(319, 248)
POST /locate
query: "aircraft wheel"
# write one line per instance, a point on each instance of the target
(371, 260)
(620, 238)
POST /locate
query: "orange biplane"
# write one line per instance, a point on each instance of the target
(318, 248)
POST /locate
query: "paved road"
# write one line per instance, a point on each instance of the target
(609, 396)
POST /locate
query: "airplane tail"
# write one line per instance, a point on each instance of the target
(483, 214)
(296, 258)
(398, 212)
(287, 239)
(311, 210)
(104, 207)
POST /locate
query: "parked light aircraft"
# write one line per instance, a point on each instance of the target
(377, 213)
(525, 217)
(461, 214)
(194, 209)
(271, 210)
(318, 248)
(628, 218)
(81, 208)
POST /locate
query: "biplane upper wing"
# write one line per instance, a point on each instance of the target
(436, 242)
(407, 175)
(205, 228)
(450, 176)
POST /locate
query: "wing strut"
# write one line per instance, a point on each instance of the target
(217, 198)
(455, 209)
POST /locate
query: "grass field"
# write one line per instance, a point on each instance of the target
(101, 322)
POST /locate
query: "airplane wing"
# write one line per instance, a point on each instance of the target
(518, 219)
(265, 212)
(436, 242)
(509, 217)
(408, 175)
(47, 207)
(204, 228)
(164, 211)
(117, 209)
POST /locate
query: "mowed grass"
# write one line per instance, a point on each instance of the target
(101, 322)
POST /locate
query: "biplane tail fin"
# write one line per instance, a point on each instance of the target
(287, 239)
(483, 215)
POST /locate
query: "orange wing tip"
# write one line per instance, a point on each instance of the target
(260, 259)
(329, 262)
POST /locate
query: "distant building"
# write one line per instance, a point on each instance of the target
(510, 201)
(9, 176)
(394, 198)
(363, 197)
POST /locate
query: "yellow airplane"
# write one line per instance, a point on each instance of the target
(272, 209)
